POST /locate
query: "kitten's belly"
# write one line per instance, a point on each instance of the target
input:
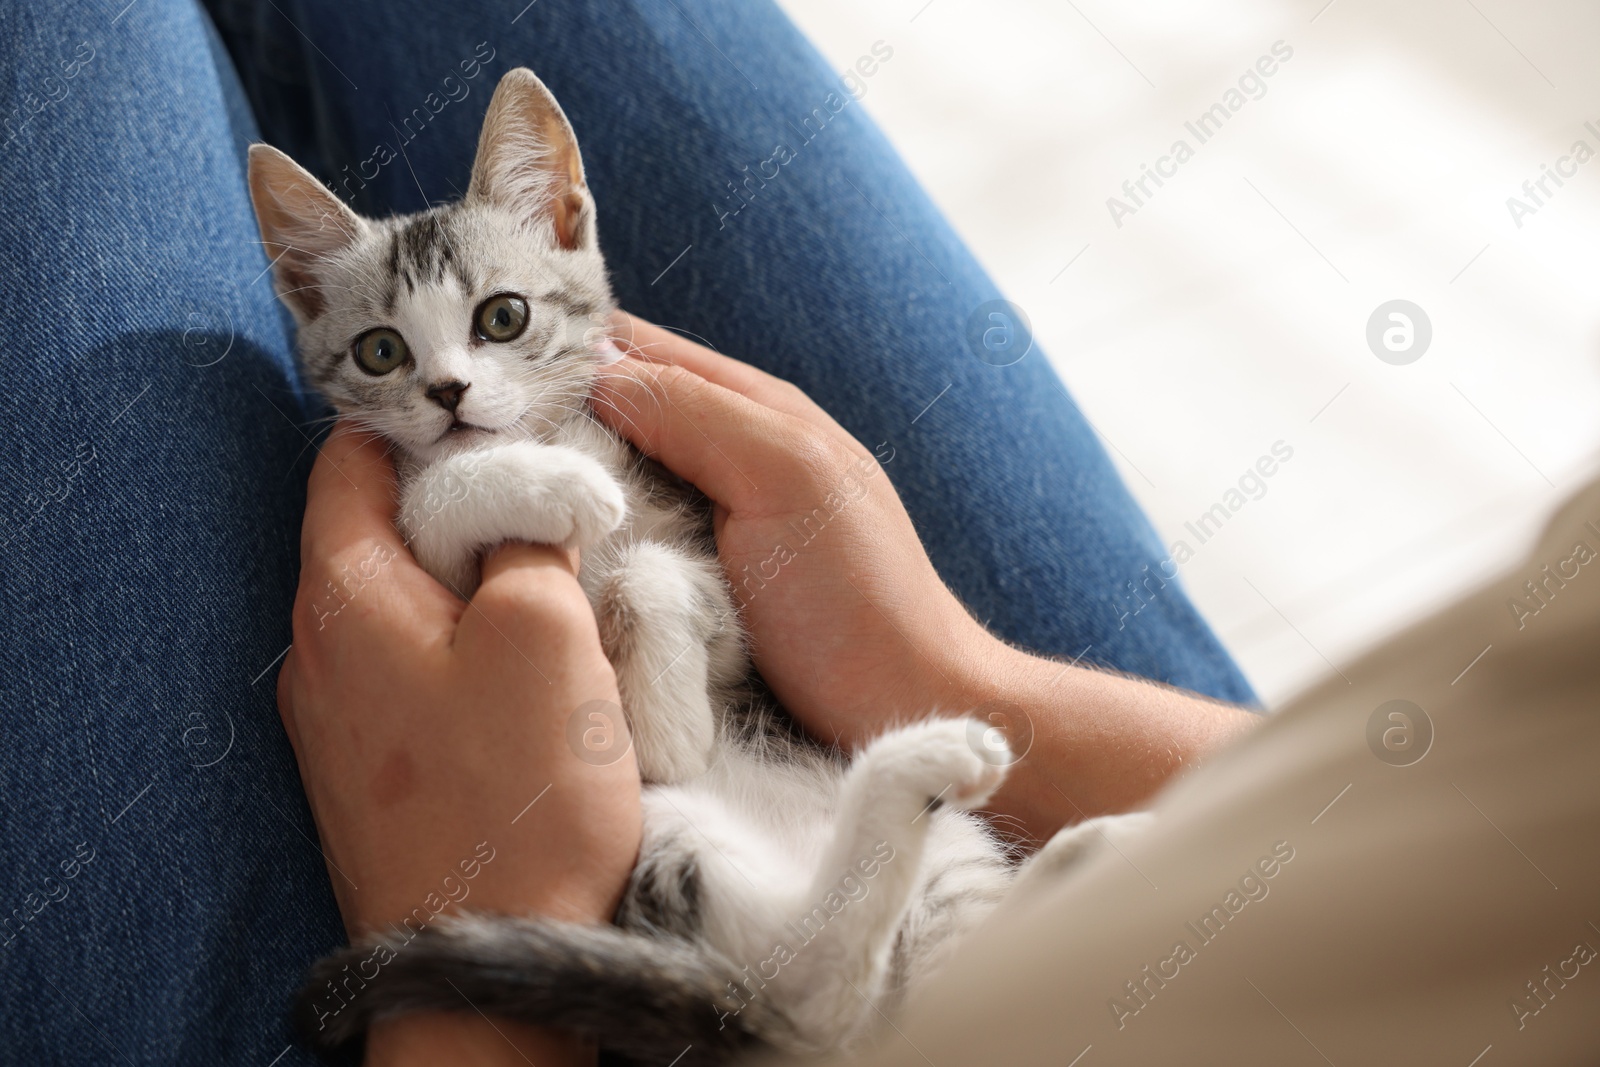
(769, 820)
(769, 825)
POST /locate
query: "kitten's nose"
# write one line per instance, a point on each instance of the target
(448, 394)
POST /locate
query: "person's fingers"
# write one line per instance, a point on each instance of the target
(350, 550)
(531, 603)
(724, 443)
(648, 342)
(514, 555)
(351, 495)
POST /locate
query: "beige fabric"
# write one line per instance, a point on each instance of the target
(1422, 906)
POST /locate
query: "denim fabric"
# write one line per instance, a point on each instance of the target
(163, 890)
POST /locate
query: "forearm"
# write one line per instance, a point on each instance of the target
(1100, 742)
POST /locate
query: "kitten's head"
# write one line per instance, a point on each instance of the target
(471, 323)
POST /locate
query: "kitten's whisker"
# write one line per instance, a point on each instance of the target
(679, 330)
(626, 419)
(631, 348)
(316, 285)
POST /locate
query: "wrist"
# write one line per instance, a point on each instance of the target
(1088, 742)
(990, 677)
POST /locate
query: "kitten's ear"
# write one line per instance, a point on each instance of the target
(528, 161)
(301, 223)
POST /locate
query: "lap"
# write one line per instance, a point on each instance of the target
(162, 891)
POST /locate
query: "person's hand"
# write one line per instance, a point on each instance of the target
(850, 624)
(432, 734)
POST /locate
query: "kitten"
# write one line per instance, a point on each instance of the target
(782, 897)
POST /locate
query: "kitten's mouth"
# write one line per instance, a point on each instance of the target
(459, 427)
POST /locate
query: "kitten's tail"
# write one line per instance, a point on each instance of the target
(652, 1000)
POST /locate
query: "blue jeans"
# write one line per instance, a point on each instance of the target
(163, 888)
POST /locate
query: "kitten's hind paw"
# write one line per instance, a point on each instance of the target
(944, 760)
(983, 775)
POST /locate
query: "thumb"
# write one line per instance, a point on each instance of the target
(726, 444)
(530, 597)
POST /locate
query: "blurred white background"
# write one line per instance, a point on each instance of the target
(1229, 312)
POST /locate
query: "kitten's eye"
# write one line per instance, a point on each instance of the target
(501, 318)
(379, 351)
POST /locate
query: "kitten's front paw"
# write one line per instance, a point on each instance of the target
(550, 495)
(595, 508)
(466, 503)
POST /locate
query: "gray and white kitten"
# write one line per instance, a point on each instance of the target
(783, 897)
